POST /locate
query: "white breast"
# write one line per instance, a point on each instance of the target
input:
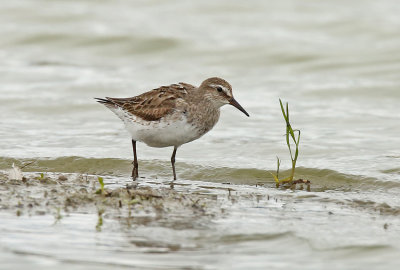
(173, 130)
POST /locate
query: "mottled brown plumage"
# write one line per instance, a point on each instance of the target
(154, 104)
(172, 115)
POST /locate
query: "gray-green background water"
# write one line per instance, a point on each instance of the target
(336, 62)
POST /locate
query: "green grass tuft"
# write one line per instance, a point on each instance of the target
(101, 189)
(290, 134)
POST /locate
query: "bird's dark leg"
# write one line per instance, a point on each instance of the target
(173, 161)
(135, 170)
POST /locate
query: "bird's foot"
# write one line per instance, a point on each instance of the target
(135, 174)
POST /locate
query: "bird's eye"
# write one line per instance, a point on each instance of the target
(219, 88)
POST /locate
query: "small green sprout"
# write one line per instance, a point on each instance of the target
(101, 189)
(99, 219)
(134, 201)
(290, 133)
(57, 215)
(41, 177)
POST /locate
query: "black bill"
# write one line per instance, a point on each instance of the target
(233, 102)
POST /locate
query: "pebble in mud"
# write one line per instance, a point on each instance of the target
(62, 178)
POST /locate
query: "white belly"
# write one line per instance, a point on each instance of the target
(168, 131)
(163, 133)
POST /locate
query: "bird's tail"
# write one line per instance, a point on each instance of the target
(110, 104)
(104, 101)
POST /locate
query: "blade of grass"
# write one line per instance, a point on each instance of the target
(290, 133)
(101, 189)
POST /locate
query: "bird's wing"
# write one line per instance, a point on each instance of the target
(152, 105)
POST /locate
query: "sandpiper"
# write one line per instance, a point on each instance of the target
(172, 115)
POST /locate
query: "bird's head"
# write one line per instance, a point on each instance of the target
(219, 92)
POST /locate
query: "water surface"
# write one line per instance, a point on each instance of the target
(336, 63)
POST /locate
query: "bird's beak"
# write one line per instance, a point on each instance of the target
(233, 102)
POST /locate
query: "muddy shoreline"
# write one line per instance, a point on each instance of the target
(194, 225)
(61, 194)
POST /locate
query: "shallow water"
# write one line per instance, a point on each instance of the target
(337, 64)
(238, 227)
